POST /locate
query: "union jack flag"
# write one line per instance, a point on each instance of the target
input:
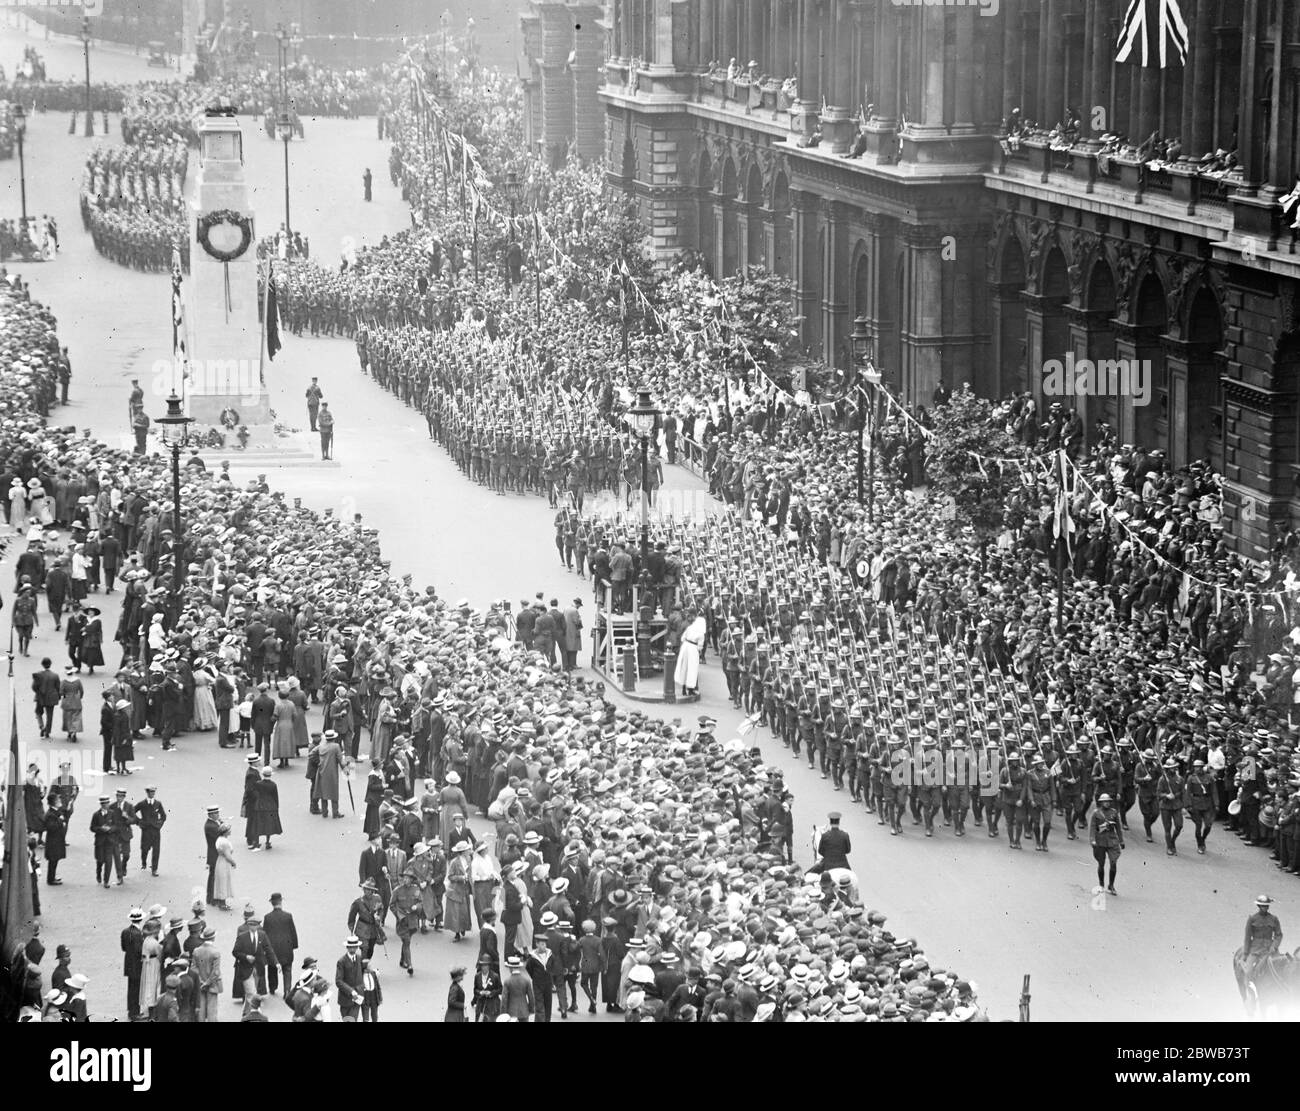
(180, 355)
(1154, 33)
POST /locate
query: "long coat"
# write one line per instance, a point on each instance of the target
(92, 643)
(56, 834)
(572, 630)
(70, 703)
(266, 809)
(283, 741)
(327, 777)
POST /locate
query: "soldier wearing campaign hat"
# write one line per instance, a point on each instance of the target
(1172, 795)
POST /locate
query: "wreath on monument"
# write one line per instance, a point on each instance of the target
(225, 216)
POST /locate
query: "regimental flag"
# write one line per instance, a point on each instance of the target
(1153, 33)
(272, 313)
(180, 352)
(1063, 523)
(18, 924)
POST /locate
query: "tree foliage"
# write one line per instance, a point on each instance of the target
(963, 426)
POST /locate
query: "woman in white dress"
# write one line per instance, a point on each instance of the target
(205, 706)
(17, 505)
(150, 967)
(687, 674)
(38, 505)
(223, 889)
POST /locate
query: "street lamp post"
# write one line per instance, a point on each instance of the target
(643, 416)
(85, 45)
(862, 352)
(512, 188)
(285, 123)
(20, 127)
(282, 45)
(176, 418)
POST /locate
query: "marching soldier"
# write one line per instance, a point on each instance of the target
(1069, 785)
(1106, 836)
(1144, 776)
(1200, 803)
(1172, 801)
(1040, 790)
(1012, 790)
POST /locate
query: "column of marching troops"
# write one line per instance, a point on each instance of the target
(793, 639)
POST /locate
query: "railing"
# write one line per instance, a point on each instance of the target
(691, 455)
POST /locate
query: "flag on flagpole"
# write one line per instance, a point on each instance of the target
(1063, 525)
(1153, 33)
(16, 905)
(272, 312)
(180, 351)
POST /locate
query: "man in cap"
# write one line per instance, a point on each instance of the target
(211, 831)
(151, 815)
(1106, 836)
(1263, 936)
(833, 847)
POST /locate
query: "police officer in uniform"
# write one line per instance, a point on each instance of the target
(833, 846)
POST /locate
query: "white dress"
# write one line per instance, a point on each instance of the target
(205, 706)
(688, 657)
(223, 890)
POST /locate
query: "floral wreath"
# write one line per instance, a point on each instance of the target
(225, 216)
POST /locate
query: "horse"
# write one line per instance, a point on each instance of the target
(1274, 985)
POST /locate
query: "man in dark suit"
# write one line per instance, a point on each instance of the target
(348, 977)
(211, 831)
(45, 686)
(223, 696)
(263, 719)
(283, 936)
(833, 847)
(151, 816)
(252, 953)
(373, 866)
(133, 962)
(102, 826)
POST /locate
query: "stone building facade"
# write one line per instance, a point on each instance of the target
(969, 262)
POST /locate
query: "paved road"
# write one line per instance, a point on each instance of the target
(1159, 951)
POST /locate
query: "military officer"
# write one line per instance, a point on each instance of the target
(1106, 836)
(1263, 935)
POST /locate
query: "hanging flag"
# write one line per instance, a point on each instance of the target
(272, 313)
(180, 353)
(18, 925)
(1153, 33)
(1063, 525)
